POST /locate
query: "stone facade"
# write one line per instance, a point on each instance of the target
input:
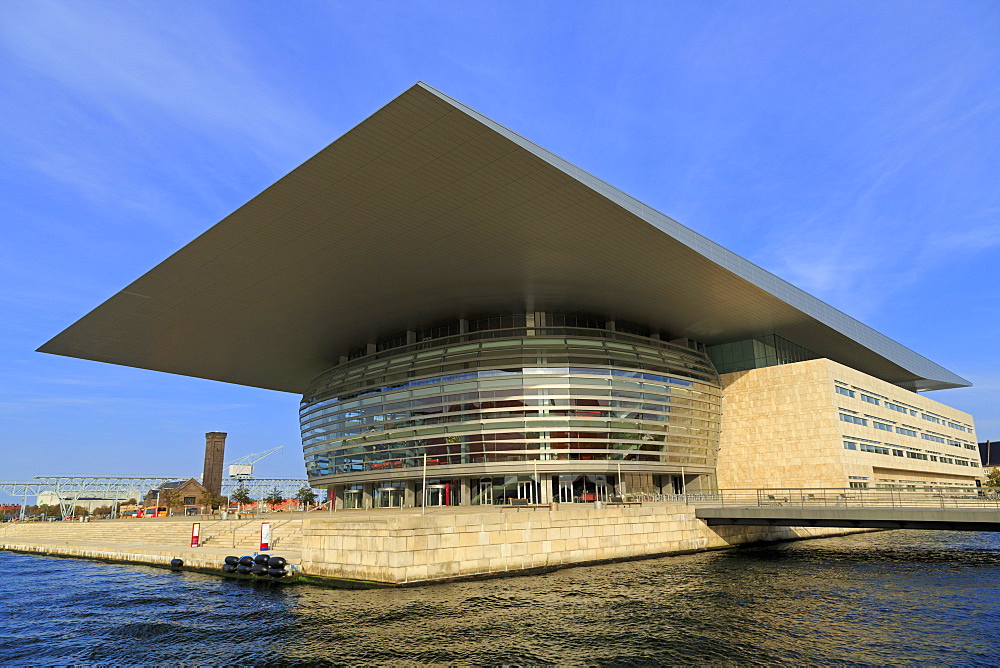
(409, 547)
(782, 427)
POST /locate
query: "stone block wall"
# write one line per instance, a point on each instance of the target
(405, 548)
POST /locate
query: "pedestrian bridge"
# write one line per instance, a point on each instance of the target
(948, 509)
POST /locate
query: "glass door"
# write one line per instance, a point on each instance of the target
(437, 495)
(486, 492)
(390, 497)
(528, 490)
(565, 489)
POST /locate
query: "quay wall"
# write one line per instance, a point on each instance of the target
(413, 548)
(404, 546)
(152, 541)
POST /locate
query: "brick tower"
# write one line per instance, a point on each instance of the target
(215, 449)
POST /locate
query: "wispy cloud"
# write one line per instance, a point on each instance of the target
(108, 84)
(841, 251)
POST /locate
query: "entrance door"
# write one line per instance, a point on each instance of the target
(527, 489)
(390, 497)
(486, 492)
(601, 488)
(565, 489)
(437, 495)
(352, 498)
(678, 484)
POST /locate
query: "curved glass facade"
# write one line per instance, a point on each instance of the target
(513, 400)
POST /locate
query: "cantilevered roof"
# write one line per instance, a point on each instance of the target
(426, 210)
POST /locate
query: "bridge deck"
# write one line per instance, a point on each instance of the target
(955, 519)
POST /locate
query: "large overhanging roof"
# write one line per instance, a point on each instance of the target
(426, 210)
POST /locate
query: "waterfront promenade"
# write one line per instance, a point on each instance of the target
(408, 545)
(155, 541)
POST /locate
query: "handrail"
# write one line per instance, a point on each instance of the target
(931, 497)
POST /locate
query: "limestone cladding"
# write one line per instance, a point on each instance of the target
(782, 427)
(414, 548)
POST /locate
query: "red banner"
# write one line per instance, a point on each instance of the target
(265, 536)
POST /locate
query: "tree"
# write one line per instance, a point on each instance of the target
(171, 499)
(49, 510)
(993, 479)
(306, 495)
(241, 496)
(102, 511)
(274, 497)
(208, 500)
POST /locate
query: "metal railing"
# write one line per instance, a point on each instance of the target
(942, 497)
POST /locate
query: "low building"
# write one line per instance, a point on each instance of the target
(185, 497)
(90, 502)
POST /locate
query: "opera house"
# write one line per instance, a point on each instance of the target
(471, 320)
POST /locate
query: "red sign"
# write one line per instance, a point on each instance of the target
(265, 536)
(196, 534)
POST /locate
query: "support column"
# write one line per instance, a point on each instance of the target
(366, 494)
(338, 497)
(465, 491)
(545, 482)
(410, 494)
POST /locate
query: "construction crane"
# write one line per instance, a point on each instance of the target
(242, 468)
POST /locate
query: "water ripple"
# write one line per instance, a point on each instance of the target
(885, 598)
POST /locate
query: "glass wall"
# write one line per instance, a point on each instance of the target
(548, 394)
(757, 353)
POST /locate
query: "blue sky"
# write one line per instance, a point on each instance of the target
(851, 148)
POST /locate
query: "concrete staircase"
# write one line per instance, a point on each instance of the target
(241, 536)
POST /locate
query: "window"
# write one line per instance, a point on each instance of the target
(916, 455)
(895, 407)
(932, 437)
(930, 418)
(848, 445)
(870, 400)
(897, 453)
(190, 501)
(846, 392)
(906, 432)
(882, 425)
(877, 449)
(854, 419)
(859, 485)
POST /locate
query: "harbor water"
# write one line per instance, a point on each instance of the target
(915, 597)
